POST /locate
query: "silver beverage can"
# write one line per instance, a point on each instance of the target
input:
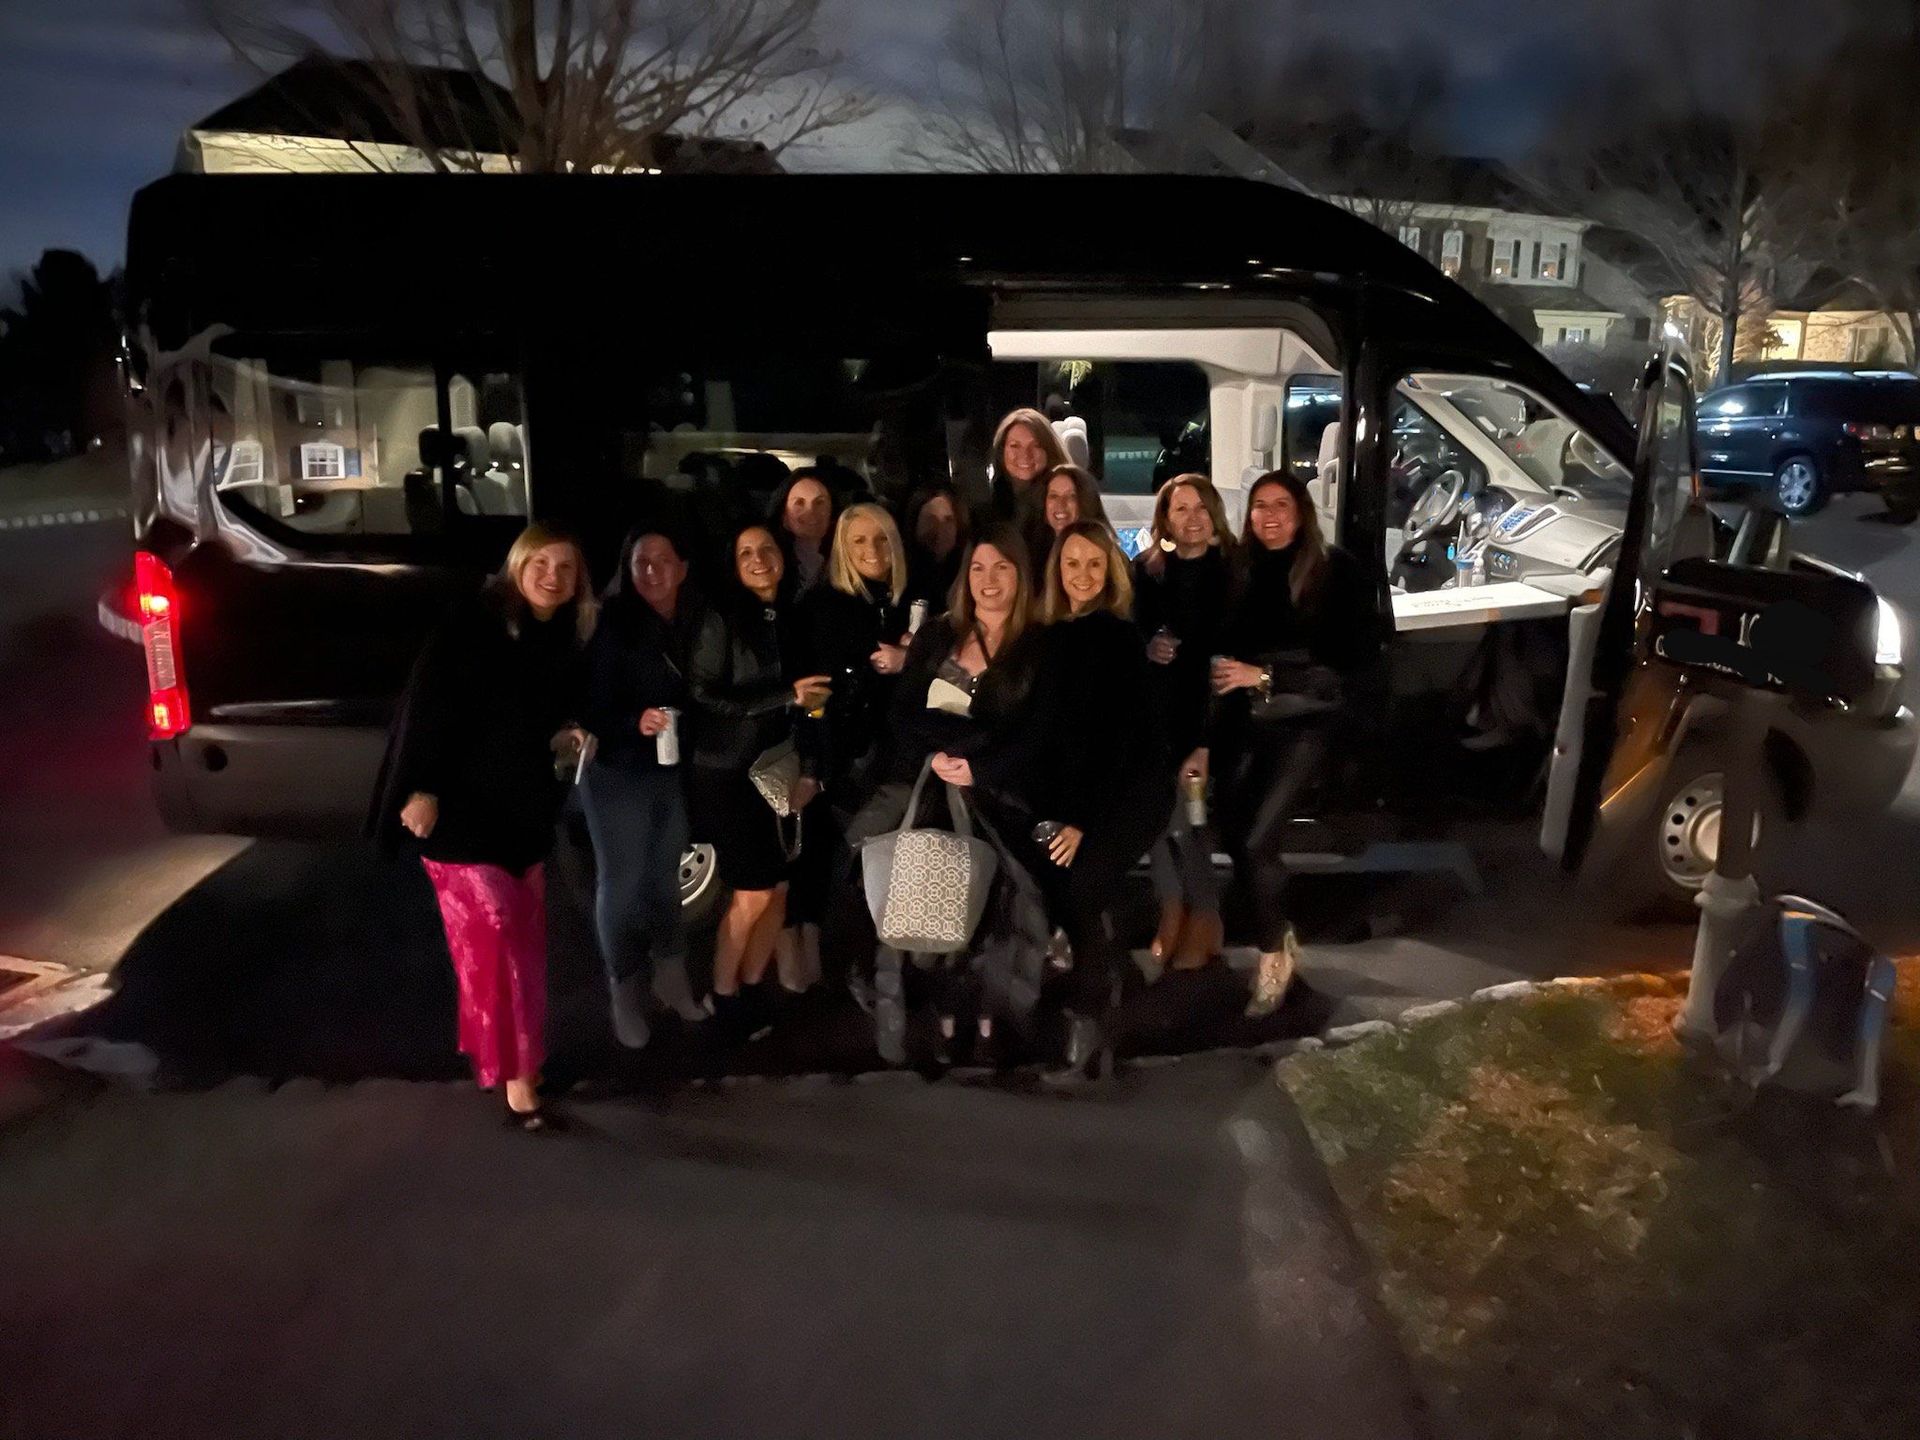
(916, 616)
(666, 745)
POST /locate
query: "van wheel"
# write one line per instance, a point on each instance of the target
(699, 883)
(1797, 485)
(1670, 859)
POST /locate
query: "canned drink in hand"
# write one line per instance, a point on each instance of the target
(1194, 792)
(666, 745)
(916, 616)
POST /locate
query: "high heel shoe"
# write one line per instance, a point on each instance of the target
(1274, 977)
(1087, 1058)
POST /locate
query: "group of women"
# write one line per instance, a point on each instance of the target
(1078, 700)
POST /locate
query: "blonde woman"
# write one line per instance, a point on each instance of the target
(852, 629)
(470, 775)
(1107, 784)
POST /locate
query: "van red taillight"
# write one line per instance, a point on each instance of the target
(157, 608)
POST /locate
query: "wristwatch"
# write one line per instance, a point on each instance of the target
(1265, 687)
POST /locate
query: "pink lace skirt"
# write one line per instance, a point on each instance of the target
(497, 934)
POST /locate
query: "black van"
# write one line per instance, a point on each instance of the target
(1806, 436)
(351, 391)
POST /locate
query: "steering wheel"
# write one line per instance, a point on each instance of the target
(1437, 507)
(1584, 451)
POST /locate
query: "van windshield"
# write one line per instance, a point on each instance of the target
(1545, 446)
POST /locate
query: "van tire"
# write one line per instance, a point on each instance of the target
(1798, 486)
(1667, 857)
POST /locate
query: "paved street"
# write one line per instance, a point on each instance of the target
(315, 1229)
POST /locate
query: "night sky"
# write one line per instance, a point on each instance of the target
(95, 93)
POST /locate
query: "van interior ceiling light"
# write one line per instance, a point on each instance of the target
(158, 610)
(1888, 638)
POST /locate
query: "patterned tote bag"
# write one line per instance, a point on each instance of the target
(928, 888)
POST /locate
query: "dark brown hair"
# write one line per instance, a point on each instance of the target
(1310, 560)
(1006, 539)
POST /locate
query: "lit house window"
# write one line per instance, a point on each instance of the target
(1452, 247)
(1574, 335)
(246, 463)
(1410, 236)
(322, 460)
(1553, 262)
(1506, 259)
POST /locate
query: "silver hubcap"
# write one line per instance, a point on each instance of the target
(696, 873)
(1796, 485)
(1689, 837)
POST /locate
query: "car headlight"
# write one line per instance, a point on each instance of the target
(1889, 642)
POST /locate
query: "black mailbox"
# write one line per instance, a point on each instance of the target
(1804, 632)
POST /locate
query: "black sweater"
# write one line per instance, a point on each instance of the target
(839, 633)
(1342, 629)
(637, 662)
(1000, 737)
(475, 731)
(1189, 598)
(741, 682)
(1103, 732)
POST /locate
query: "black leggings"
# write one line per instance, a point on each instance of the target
(1265, 777)
(1089, 891)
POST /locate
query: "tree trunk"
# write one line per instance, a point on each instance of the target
(1730, 279)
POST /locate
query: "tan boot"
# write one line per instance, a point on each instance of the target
(1173, 917)
(1200, 941)
(1274, 977)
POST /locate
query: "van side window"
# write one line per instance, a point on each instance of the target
(332, 449)
(1312, 406)
(1146, 420)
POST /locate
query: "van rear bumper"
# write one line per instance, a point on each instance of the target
(307, 782)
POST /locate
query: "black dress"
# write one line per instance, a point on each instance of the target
(743, 706)
(475, 730)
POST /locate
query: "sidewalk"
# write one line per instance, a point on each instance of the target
(87, 489)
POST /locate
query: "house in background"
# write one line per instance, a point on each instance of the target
(323, 114)
(1473, 218)
(1832, 322)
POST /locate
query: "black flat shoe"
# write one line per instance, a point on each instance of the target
(538, 1121)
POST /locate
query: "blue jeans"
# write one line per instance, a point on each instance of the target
(638, 820)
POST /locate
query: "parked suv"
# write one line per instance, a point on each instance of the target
(1809, 435)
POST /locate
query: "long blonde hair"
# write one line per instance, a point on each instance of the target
(843, 575)
(1209, 497)
(960, 612)
(1116, 595)
(1044, 435)
(530, 542)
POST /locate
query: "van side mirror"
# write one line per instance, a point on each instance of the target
(1805, 632)
(1266, 428)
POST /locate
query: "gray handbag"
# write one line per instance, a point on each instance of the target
(775, 774)
(927, 889)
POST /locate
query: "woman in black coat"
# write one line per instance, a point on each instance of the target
(936, 533)
(854, 630)
(1105, 781)
(745, 698)
(470, 775)
(1305, 620)
(1182, 582)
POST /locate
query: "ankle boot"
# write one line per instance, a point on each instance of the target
(1200, 941)
(1087, 1057)
(674, 989)
(629, 1007)
(1173, 918)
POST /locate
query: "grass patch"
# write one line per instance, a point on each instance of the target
(1582, 1233)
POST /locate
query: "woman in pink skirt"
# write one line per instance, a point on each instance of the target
(470, 774)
